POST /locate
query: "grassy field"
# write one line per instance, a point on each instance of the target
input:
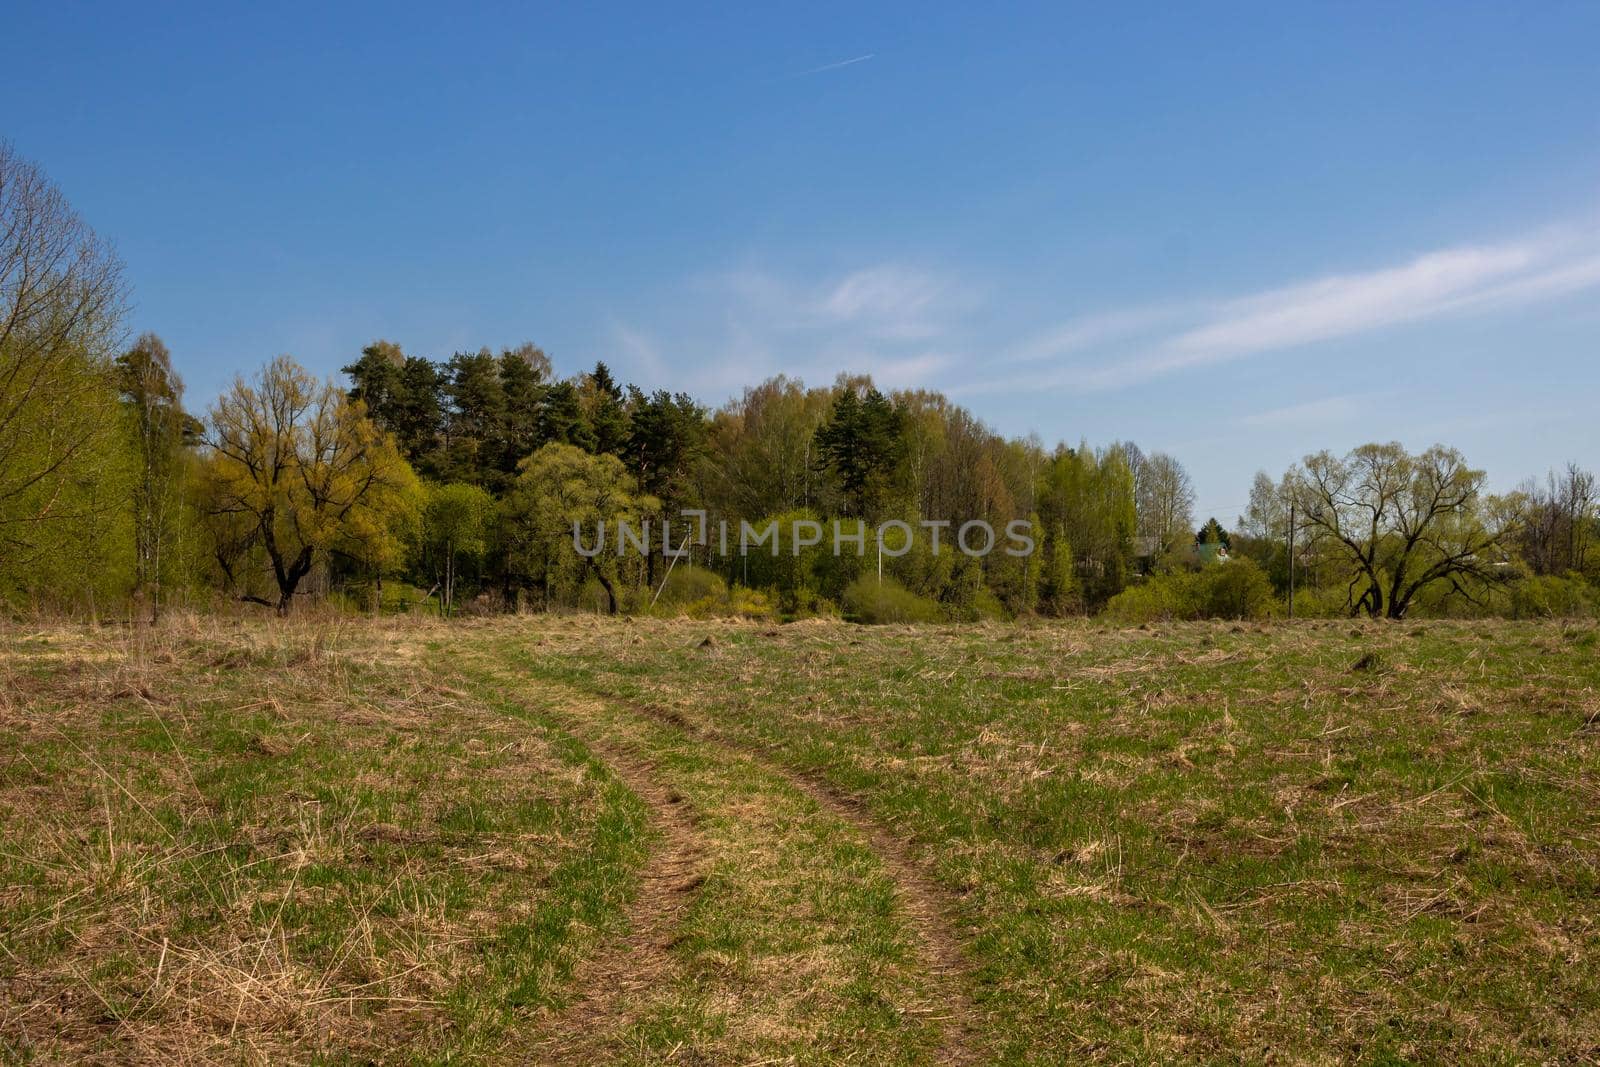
(573, 840)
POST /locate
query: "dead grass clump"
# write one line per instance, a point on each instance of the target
(1370, 663)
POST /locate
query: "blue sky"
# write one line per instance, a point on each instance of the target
(1235, 232)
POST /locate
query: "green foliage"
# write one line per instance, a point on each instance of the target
(157, 430)
(869, 600)
(862, 444)
(456, 523)
(666, 436)
(688, 584)
(759, 455)
(561, 418)
(1013, 581)
(295, 470)
(559, 488)
(832, 571)
(1058, 580)
(65, 488)
(1159, 599)
(1237, 589)
(1402, 525)
(1548, 596)
(601, 398)
(1087, 499)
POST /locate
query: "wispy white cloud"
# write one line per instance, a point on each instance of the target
(893, 321)
(888, 302)
(1324, 411)
(1161, 340)
(1093, 331)
(911, 326)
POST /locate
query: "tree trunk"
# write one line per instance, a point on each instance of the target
(450, 580)
(288, 577)
(605, 583)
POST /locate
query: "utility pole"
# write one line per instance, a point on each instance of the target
(1291, 559)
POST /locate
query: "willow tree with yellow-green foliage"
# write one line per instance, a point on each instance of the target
(294, 470)
(561, 492)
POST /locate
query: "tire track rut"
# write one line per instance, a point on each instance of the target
(627, 969)
(926, 905)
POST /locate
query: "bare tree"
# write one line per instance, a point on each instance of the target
(1560, 519)
(61, 303)
(1403, 522)
(1164, 499)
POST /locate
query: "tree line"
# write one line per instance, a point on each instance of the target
(454, 484)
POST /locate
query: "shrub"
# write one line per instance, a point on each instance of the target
(1170, 596)
(1238, 590)
(1327, 602)
(751, 604)
(688, 584)
(870, 601)
(987, 605)
(1552, 597)
(701, 594)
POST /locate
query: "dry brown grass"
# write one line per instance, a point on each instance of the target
(264, 842)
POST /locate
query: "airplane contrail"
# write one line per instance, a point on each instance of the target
(836, 66)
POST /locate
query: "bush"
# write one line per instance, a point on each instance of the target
(688, 584)
(751, 604)
(1161, 599)
(870, 601)
(1552, 597)
(1238, 589)
(1327, 602)
(701, 594)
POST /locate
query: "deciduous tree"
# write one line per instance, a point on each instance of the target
(1403, 522)
(292, 464)
(61, 306)
(455, 524)
(561, 488)
(152, 395)
(1164, 500)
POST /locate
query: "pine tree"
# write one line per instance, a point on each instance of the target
(862, 443)
(1212, 533)
(475, 423)
(523, 387)
(607, 418)
(561, 418)
(376, 381)
(417, 420)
